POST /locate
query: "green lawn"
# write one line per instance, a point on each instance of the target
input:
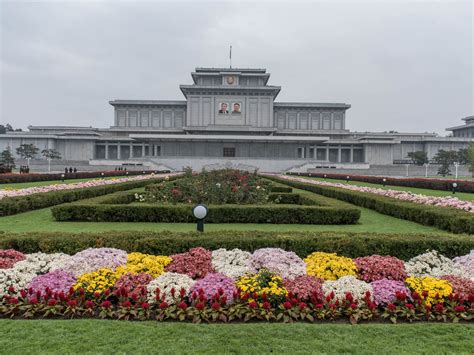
(22, 185)
(42, 220)
(99, 336)
(430, 192)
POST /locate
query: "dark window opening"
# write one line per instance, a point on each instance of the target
(229, 152)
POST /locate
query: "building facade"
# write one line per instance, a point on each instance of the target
(230, 117)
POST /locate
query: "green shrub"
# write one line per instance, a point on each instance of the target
(303, 243)
(450, 219)
(276, 214)
(14, 205)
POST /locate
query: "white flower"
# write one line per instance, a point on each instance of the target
(232, 263)
(346, 284)
(166, 282)
(433, 264)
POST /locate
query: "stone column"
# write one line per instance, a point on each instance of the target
(143, 149)
(119, 151)
(352, 154)
(339, 154)
(131, 150)
(106, 150)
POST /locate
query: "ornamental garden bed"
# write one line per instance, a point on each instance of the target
(451, 219)
(233, 197)
(23, 200)
(424, 183)
(223, 285)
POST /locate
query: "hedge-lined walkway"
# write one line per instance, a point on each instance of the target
(99, 336)
(429, 192)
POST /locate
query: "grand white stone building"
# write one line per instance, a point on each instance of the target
(230, 117)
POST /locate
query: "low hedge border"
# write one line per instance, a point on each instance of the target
(19, 178)
(13, 205)
(275, 214)
(445, 218)
(422, 183)
(302, 243)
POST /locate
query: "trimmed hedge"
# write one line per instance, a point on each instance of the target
(18, 178)
(423, 183)
(275, 214)
(302, 243)
(449, 219)
(14, 205)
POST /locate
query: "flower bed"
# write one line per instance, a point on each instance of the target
(21, 178)
(423, 183)
(445, 213)
(187, 287)
(217, 187)
(453, 202)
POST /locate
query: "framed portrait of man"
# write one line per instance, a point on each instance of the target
(223, 108)
(236, 108)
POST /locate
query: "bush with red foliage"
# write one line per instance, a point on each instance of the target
(196, 263)
(376, 267)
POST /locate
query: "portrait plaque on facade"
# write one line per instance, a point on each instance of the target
(230, 80)
(223, 108)
(236, 108)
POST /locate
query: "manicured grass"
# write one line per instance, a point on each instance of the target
(105, 336)
(460, 195)
(22, 185)
(42, 220)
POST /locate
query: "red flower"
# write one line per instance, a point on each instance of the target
(459, 308)
(163, 305)
(107, 292)
(89, 304)
(183, 305)
(302, 305)
(96, 294)
(72, 303)
(266, 305)
(349, 297)
(182, 292)
(425, 294)
(353, 305)
(11, 289)
(319, 306)
(127, 304)
(13, 300)
(216, 306)
(106, 304)
(52, 302)
(253, 304)
(409, 306)
(439, 308)
(401, 296)
(23, 293)
(33, 300)
(200, 306)
(287, 305)
(391, 307)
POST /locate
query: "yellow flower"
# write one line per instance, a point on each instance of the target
(329, 266)
(432, 286)
(97, 281)
(150, 264)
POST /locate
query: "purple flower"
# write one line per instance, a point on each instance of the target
(283, 263)
(56, 281)
(215, 283)
(384, 290)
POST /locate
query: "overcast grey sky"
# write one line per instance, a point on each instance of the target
(405, 66)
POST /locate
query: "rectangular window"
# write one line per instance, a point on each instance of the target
(229, 152)
(157, 150)
(301, 153)
(333, 155)
(321, 154)
(311, 152)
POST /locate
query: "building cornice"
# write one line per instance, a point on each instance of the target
(277, 105)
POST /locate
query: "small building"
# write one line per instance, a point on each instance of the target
(231, 117)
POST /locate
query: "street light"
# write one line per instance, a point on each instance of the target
(384, 181)
(325, 176)
(62, 177)
(455, 185)
(456, 167)
(200, 212)
(426, 169)
(348, 178)
(102, 174)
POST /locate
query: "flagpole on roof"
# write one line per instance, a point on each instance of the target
(230, 57)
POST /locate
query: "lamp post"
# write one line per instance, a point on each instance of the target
(348, 178)
(384, 181)
(408, 167)
(62, 177)
(200, 212)
(456, 167)
(455, 185)
(102, 175)
(426, 169)
(325, 176)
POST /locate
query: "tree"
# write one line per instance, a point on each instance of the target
(27, 151)
(445, 158)
(419, 157)
(8, 128)
(470, 158)
(6, 158)
(50, 154)
(463, 156)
